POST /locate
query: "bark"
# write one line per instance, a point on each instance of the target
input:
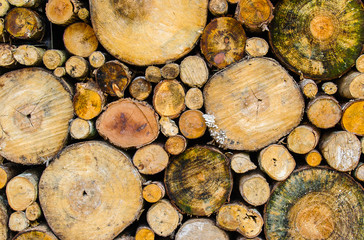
(39, 232)
(359, 172)
(359, 63)
(7, 172)
(4, 218)
(26, 3)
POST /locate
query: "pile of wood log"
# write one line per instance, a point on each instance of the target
(180, 119)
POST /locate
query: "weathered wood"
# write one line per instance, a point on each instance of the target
(54, 58)
(194, 99)
(241, 163)
(313, 158)
(77, 67)
(151, 159)
(63, 12)
(144, 233)
(40, 232)
(33, 211)
(26, 3)
(29, 55)
(170, 71)
(254, 189)
(218, 7)
(351, 85)
(153, 191)
(140, 88)
(168, 127)
(7, 172)
(359, 172)
(4, 7)
(194, 71)
(192, 124)
(308, 87)
(359, 63)
(200, 228)
(78, 199)
(329, 88)
(97, 59)
(303, 139)
(153, 74)
(6, 55)
(82, 129)
(176, 144)
(18, 221)
(256, 47)
(353, 117)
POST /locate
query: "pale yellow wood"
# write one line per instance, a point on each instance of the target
(40, 232)
(254, 189)
(200, 228)
(29, 55)
(33, 212)
(82, 129)
(4, 7)
(77, 67)
(6, 55)
(241, 163)
(169, 127)
(360, 63)
(97, 59)
(218, 7)
(359, 172)
(26, 3)
(4, 218)
(59, 72)
(329, 88)
(18, 221)
(63, 12)
(194, 99)
(194, 71)
(84, 14)
(309, 88)
(256, 47)
(151, 159)
(351, 85)
(303, 139)
(54, 58)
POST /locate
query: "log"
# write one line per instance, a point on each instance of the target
(194, 71)
(140, 88)
(252, 104)
(122, 25)
(29, 55)
(168, 127)
(329, 88)
(256, 47)
(353, 117)
(113, 78)
(312, 204)
(175, 145)
(321, 50)
(24, 23)
(163, 218)
(313, 158)
(84, 15)
(33, 211)
(192, 124)
(54, 58)
(254, 189)
(359, 63)
(198, 181)
(26, 3)
(362, 144)
(241, 163)
(218, 7)
(40, 232)
(18, 221)
(200, 228)
(77, 67)
(125, 237)
(359, 172)
(350, 85)
(169, 98)
(303, 139)
(97, 59)
(4, 216)
(309, 88)
(170, 71)
(233, 1)
(324, 111)
(80, 39)
(59, 72)
(153, 191)
(127, 123)
(4, 36)
(255, 15)
(7, 59)
(151, 159)
(276, 161)
(7, 172)
(63, 12)
(153, 74)
(194, 99)
(38, 109)
(223, 42)
(4, 7)
(144, 233)
(82, 129)
(341, 150)
(78, 199)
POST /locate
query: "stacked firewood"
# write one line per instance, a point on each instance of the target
(180, 119)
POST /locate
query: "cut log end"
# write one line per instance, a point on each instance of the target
(202, 228)
(168, 127)
(153, 74)
(53, 58)
(192, 124)
(218, 7)
(241, 163)
(153, 192)
(353, 117)
(313, 158)
(324, 111)
(194, 71)
(170, 71)
(29, 55)
(18, 221)
(360, 63)
(77, 67)
(254, 189)
(151, 159)
(194, 99)
(351, 85)
(140, 88)
(33, 212)
(256, 47)
(175, 145)
(88, 101)
(82, 129)
(303, 139)
(144, 233)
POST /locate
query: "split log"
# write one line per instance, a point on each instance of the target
(4, 218)
(194, 99)
(341, 150)
(359, 63)
(353, 117)
(144, 233)
(200, 228)
(192, 124)
(254, 189)
(170, 71)
(151, 159)
(77, 67)
(82, 129)
(194, 71)
(313, 158)
(163, 218)
(40, 232)
(33, 211)
(198, 181)
(276, 161)
(153, 74)
(127, 123)
(113, 78)
(359, 172)
(169, 98)
(38, 109)
(4, 7)
(24, 23)
(97, 59)
(303, 139)
(168, 127)
(153, 192)
(6, 55)
(312, 204)
(122, 25)
(54, 58)
(256, 47)
(59, 72)
(218, 7)
(80, 39)
(62, 12)
(255, 15)
(324, 111)
(78, 199)
(140, 88)
(240, 218)
(241, 163)
(29, 55)
(309, 88)
(88, 101)
(176, 145)
(7, 172)
(350, 85)
(18, 221)
(223, 42)
(320, 37)
(252, 104)
(329, 88)
(26, 3)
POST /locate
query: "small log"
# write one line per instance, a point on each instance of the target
(170, 71)
(194, 99)
(359, 63)
(144, 233)
(18, 221)
(324, 111)
(313, 158)
(199, 180)
(4, 7)
(276, 161)
(24, 23)
(359, 172)
(26, 3)
(240, 218)
(176, 145)
(163, 218)
(54, 58)
(329, 88)
(60, 72)
(77, 67)
(303, 139)
(254, 189)
(22, 190)
(200, 228)
(80, 39)
(241, 163)
(256, 47)
(4, 36)
(153, 74)
(29, 55)
(341, 150)
(6, 55)
(194, 71)
(4, 218)
(151, 159)
(153, 191)
(7, 172)
(140, 88)
(113, 78)
(244, 238)
(255, 15)
(350, 85)
(78, 199)
(223, 42)
(63, 12)
(169, 98)
(127, 123)
(97, 59)
(309, 88)
(353, 117)
(82, 129)
(88, 101)
(84, 15)
(33, 212)
(40, 232)
(218, 7)
(192, 124)
(168, 127)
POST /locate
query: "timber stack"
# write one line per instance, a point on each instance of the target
(181, 119)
